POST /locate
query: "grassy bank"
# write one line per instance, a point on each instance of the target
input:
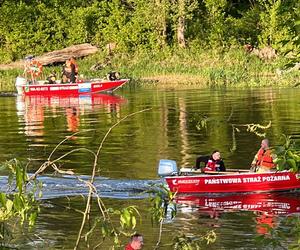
(181, 69)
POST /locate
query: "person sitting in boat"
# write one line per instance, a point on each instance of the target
(263, 160)
(211, 162)
(32, 67)
(75, 65)
(52, 78)
(69, 72)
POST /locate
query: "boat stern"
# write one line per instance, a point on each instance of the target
(20, 83)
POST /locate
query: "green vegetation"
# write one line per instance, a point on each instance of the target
(184, 41)
(288, 155)
(18, 206)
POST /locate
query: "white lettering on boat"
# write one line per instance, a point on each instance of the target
(276, 178)
(223, 181)
(253, 179)
(190, 181)
(63, 88)
(38, 88)
(97, 85)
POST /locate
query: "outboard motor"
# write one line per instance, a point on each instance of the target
(167, 168)
(113, 76)
(20, 82)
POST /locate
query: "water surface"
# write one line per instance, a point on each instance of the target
(180, 125)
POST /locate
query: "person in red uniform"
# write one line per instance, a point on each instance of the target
(211, 162)
(263, 160)
(136, 242)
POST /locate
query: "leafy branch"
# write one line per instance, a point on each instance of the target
(18, 205)
(288, 155)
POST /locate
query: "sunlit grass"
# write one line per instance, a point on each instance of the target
(179, 68)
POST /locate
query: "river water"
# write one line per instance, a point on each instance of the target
(173, 124)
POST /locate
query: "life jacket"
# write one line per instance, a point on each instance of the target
(264, 222)
(67, 68)
(212, 165)
(264, 158)
(75, 64)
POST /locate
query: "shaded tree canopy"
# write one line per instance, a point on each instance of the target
(38, 26)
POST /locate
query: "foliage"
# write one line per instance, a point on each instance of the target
(127, 218)
(278, 239)
(288, 155)
(216, 19)
(291, 47)
(162, 200)
(18, 205)
(34, 27)
(182, 242)
(163, 207)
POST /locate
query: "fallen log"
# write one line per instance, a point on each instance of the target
(56, 56)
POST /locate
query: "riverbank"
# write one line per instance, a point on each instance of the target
(196, 68)
(181, 69)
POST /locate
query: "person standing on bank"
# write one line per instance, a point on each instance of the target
(211, 162)
(263, 160)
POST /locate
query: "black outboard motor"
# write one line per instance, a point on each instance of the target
(113, 76)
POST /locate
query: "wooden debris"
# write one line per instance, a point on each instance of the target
(266, 53)
(57, 56)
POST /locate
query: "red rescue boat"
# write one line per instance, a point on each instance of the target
(81, 87)
(188, 180)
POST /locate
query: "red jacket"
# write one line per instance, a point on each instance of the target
(128, 247)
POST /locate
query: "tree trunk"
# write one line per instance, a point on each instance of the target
(57, 56)
(162, 21)
(181, 24)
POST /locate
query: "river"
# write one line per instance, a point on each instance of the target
(175, 124)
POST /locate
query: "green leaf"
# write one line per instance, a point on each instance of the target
(32, 218)
(292, 164)
(18, 204)
(9, 206)
(3, 199)
(133, 222)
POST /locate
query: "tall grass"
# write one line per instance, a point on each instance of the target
(179, 68)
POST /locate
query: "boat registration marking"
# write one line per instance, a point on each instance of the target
(38, 88)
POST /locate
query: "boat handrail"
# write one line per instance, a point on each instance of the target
(222, 172)
(237, 170)
(199, 171)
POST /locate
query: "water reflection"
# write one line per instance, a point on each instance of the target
(270, 203)
(266, 207)
(31, 110)
(72, 119)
